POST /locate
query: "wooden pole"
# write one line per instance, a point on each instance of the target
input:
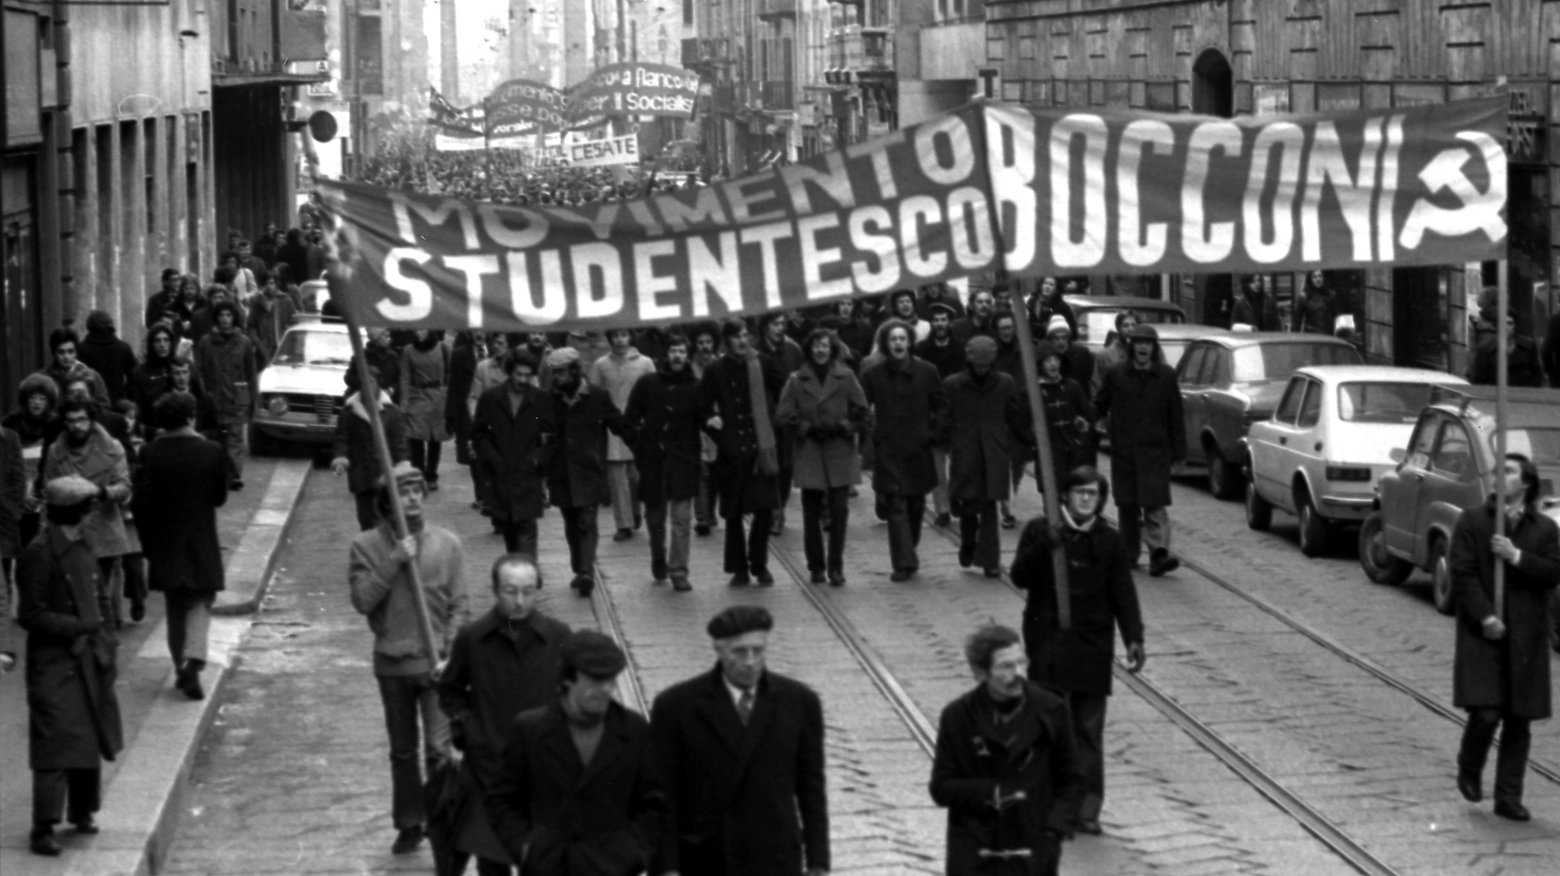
(369, 392)
(1502, 303)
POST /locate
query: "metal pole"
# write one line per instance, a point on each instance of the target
(1502, 302)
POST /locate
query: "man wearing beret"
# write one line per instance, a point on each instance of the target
(741, 751)
(578, 794)
(989, 424)
(382, 589)
(73, 713)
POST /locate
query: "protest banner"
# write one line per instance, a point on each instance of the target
(1054, 191)
(634, 89)
(521, 106)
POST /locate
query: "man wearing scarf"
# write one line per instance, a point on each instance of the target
(576, 472)
(1076, 662)
(736, 403)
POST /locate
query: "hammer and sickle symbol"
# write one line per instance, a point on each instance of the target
(1479, 211)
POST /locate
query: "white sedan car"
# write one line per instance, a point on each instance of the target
(302, 387)
(1319, 455)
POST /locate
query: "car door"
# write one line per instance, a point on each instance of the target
(1305, 445)
(1450, 480)
(1400, 489)
(1269, 444)
(1194, 398)
(1289, 439)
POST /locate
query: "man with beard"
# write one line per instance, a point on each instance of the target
(1076, 662)
(939, 348)
(225, 361)
(73, 712)
(104, 352)
(87, 450)
(577, 792)
(506, 662)
(737, 397)
(740, 749)
(786, 354)
(706, 344)
(64, 365)
(988, 423)
(1142, 401)
(978, 320)
(512, 436)
(910, 406)
(1005, 768)
(576, 473)
(617, 372)
(663, 415)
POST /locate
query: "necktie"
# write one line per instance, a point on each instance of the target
(745, 706)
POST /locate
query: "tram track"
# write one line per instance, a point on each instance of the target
(607, 620)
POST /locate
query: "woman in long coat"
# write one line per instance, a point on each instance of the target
(823, 403)
(425, 369)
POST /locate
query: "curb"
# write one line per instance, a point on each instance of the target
(147, 794)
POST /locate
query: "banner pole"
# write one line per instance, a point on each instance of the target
(1502, 336)
(370, 392)
(1026, 353)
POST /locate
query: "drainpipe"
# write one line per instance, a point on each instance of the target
(64, 164)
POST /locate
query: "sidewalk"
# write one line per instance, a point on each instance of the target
(144, 785)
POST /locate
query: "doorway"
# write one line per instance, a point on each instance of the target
(1213, 94)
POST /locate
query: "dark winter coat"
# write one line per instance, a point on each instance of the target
(564, 818)
(1078, 364)
(1147, 432)
(13, 489)
(747, 800)
(457, 414)
(663, 422)
(972, 762)
(988, 422)
(909, 414)
(1066, 401)
(1522, 365)
(577, 472)
(948, 358)
(1102, 598)
(73, 712)
(151, 380)
(516, 447)
(354, 440)
(113, 360)
(1258, 310)
(1514, 671)
(723, 390)
(226, 365)
(824, 416)
(181, 484)
(787, 356)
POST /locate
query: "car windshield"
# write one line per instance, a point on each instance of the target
(1277, 361)
(1540, 445)
(1397, 403)
(304, 347)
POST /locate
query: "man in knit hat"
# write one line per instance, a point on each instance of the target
(382, 589)
(989, 429)
(1077, 361)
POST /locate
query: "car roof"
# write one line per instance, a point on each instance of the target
(1186, 331)
(1232, 340)
(1380, 374)
(1119, 302)
(320, 324)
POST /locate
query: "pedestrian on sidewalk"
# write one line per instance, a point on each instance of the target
(382, 589)
(986, 426)
(909, 419)
(506, 662)
(577, 471)
(225, 365)
(13, 500)
(578, 793)
(132, 563)
(1005, 767)
(663, 417)
(103, 351)
(617, 372)
(1076, 662)
(353, 450)
(740, 749)
(86, 449)
(425, 371)
(823, 405)
(1501, 668)
(64, 366)
(513, 437)
(1141, 401)
(736, 402)
(182, 483)
(73, 712)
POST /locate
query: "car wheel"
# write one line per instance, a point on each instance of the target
(1259, 514)
(1224, 479)
(1441, 577)
(1314, 528)
(1379, 564)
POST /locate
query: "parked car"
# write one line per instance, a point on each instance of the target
(1176, 338)
(1231, 380)
(1447, 465)
(302, 387)
(1096, 315)
(1319, 455)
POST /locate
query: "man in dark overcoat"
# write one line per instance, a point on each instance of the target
(1076, 662)
(1141, 400)
(909, 416)
(506, 662)
(182, 483)
(987, 428)
(740, 749)
(1501, 670)
(352, 447)
(786, 354)
(663, 418)
(577, 480)
(737, 396)
(578, 793)
(1005, 768)
(73, 714)
(512, 435)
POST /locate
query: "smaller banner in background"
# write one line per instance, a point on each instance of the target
(635, 89)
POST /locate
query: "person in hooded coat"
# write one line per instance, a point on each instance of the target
(33, 424)
(663, 420)
(104, 352)
(424, 374)
(1069, 416)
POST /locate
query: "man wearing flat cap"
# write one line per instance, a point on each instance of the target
(577, 480)
(989, 431)
(382, 589)
(73, 713)
(740, 749)
(578, 793)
